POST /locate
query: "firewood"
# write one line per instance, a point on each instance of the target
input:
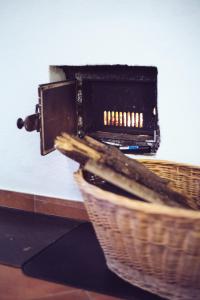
(127, 166)
(137, 171)
(128, 185)
(110, 158)
(76, 148)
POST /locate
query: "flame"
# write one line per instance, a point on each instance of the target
(136, 120)
(125, 119)
(116, 118)
(141, 120)
(105, 117)
(108, 117)
(120, 118)
(112, 118)
(132, 119)
(124, 114)
(129, 119)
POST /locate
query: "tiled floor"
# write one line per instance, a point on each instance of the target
(14, 285)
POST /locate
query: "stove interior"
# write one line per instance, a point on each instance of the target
(117, 104)
(119, 107)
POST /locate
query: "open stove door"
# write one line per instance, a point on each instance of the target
(57, 112)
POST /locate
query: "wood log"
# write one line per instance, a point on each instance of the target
(110, 157)
(129, 185)
(137, 171)
(128, 166)
(75, 148)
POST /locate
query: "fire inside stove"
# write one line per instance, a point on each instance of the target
(123, 119)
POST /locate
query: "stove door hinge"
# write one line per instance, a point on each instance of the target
(32, 122)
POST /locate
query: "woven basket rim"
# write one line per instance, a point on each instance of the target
(168, 162)
(125, 202)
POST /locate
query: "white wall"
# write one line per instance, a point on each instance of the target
(36, 34)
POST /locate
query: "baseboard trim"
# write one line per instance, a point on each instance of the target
(43, 204)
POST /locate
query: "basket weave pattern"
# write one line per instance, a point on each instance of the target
(154, 247)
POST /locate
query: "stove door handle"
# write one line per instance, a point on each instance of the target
(30, 123)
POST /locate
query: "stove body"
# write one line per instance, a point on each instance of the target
(116, 104)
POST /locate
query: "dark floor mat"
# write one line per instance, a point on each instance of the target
(24, 234)
(76, 259)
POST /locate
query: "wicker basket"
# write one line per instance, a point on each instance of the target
(154, 247)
